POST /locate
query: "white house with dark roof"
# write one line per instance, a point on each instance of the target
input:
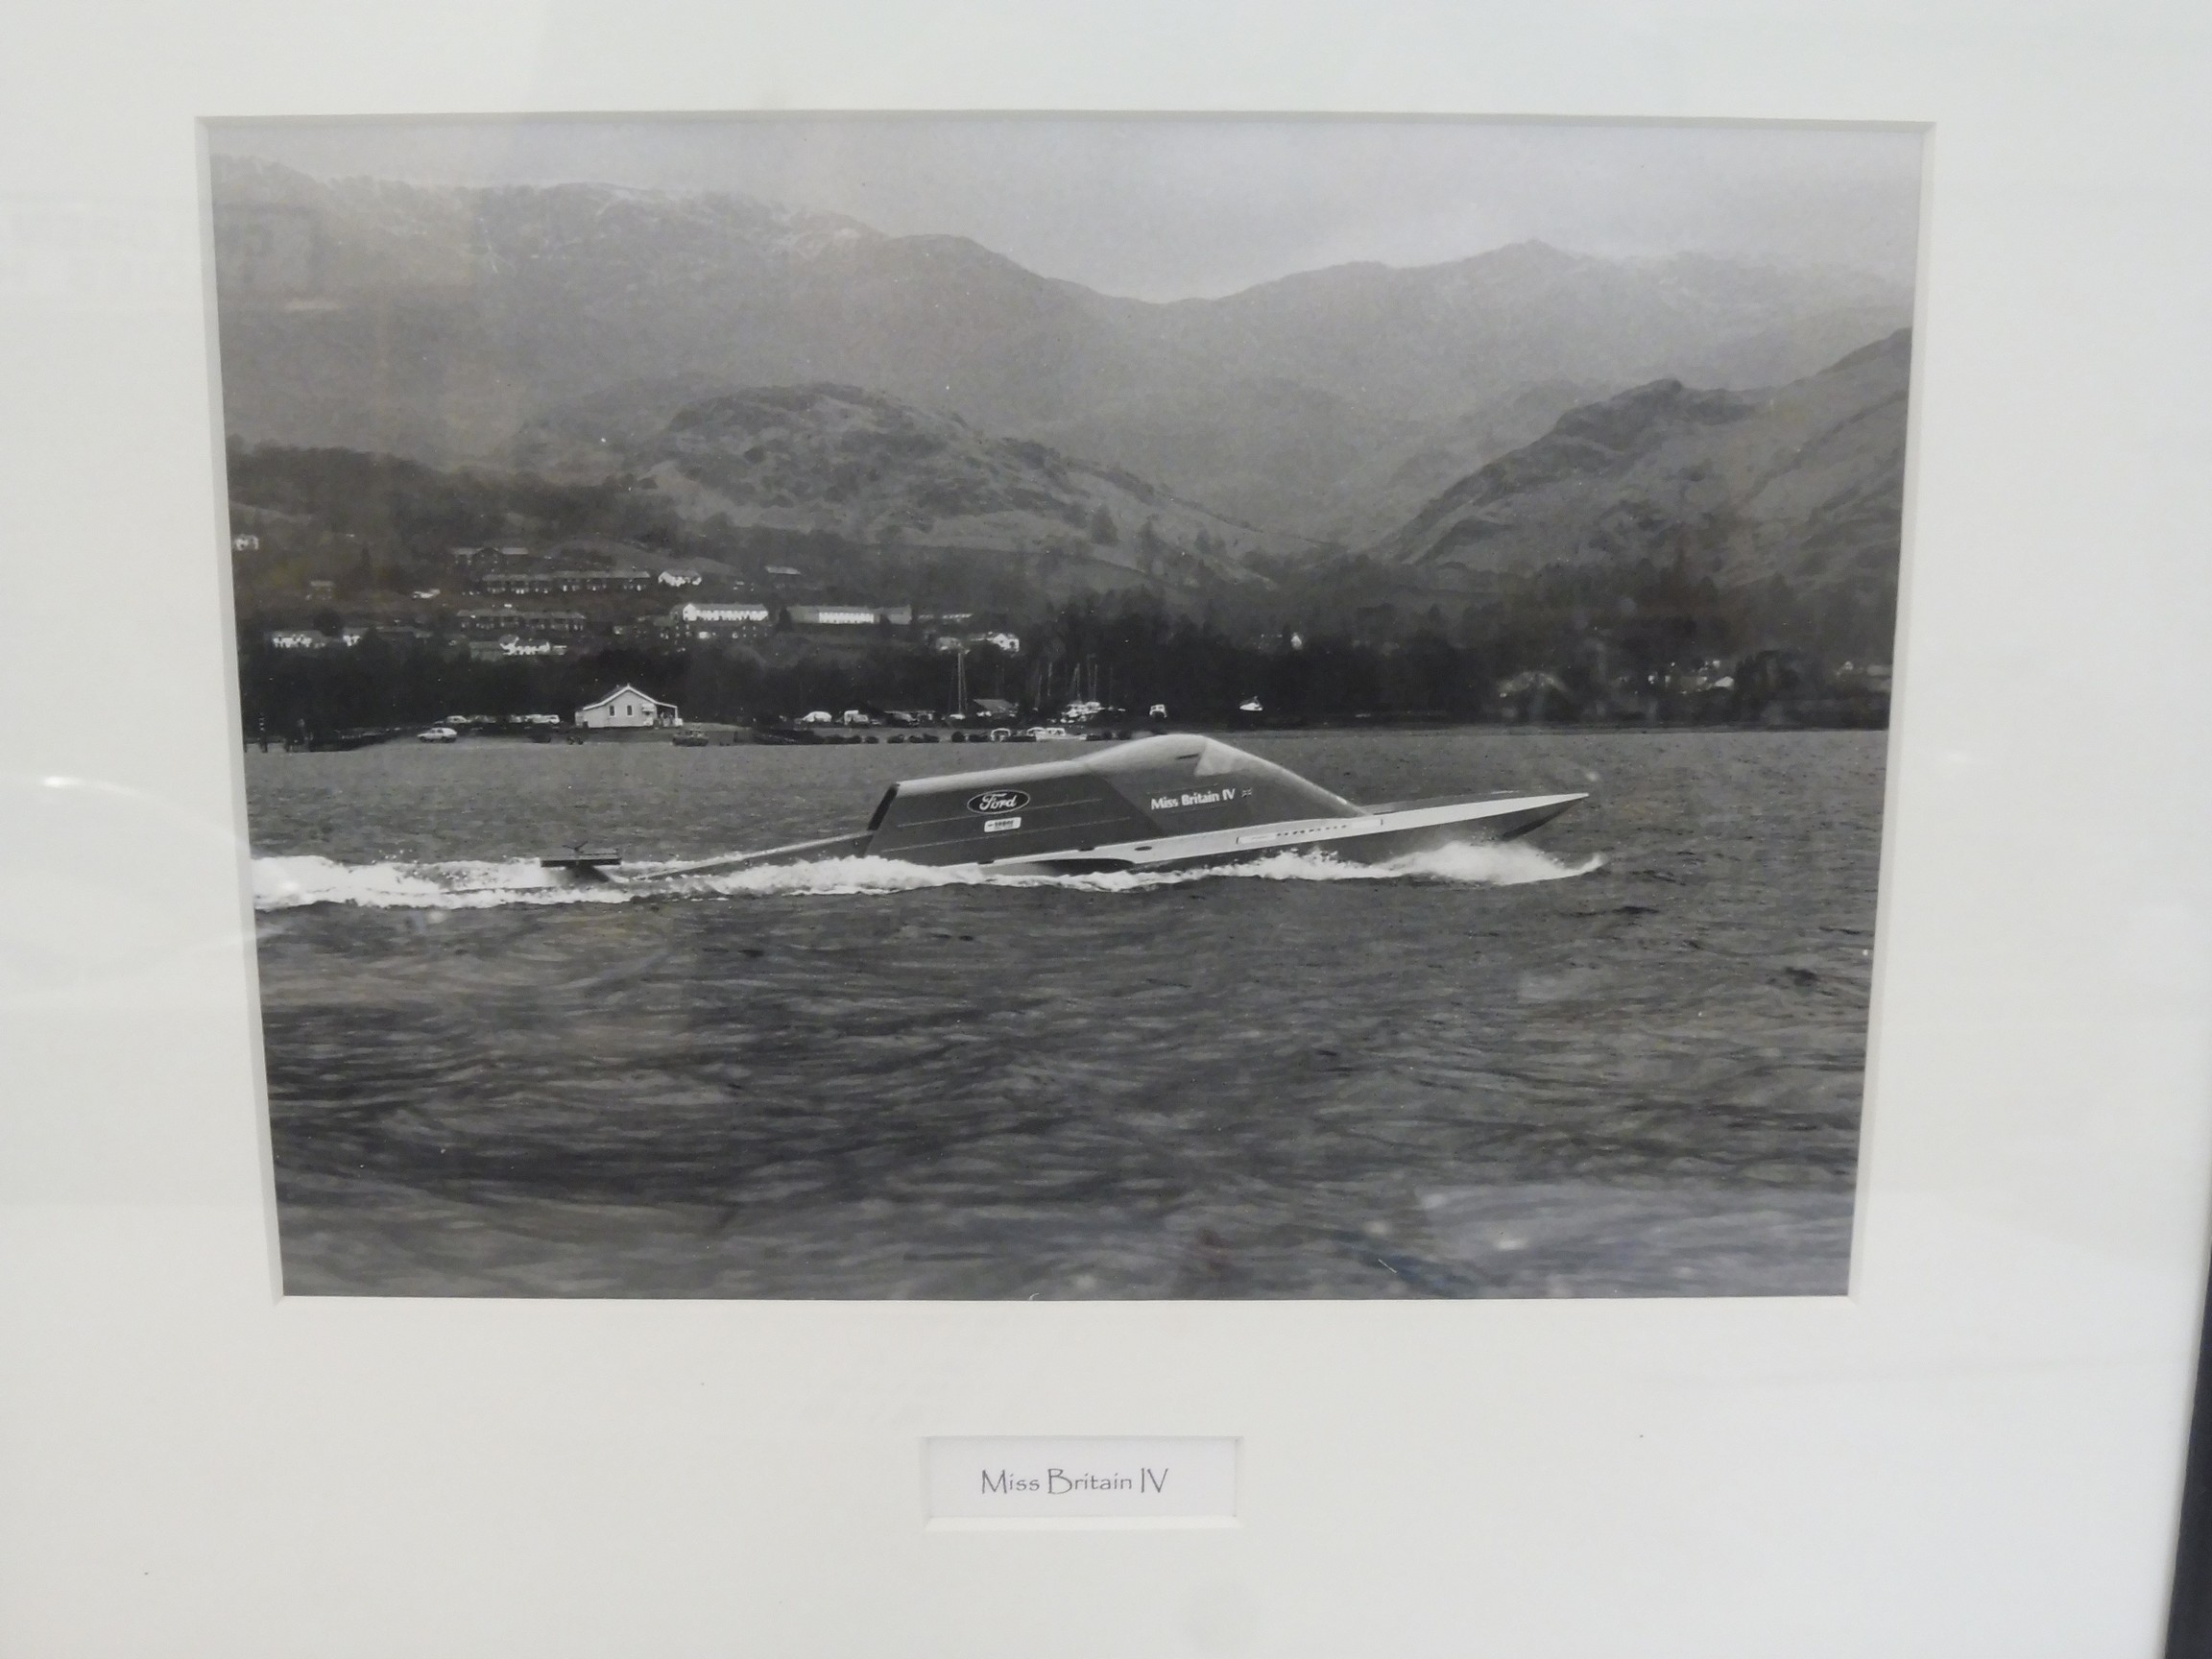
(627, 707)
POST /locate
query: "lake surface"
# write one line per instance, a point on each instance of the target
(1625, 1057)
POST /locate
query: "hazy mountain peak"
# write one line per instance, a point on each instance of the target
(1528, 255)
(1802, 486)
(353, 209)
(1891, 349)
(464, 324)
(1634, 420)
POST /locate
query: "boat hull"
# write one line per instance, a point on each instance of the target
(1173, 801)
(1375, 838)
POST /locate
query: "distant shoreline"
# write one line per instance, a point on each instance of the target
(728, 737)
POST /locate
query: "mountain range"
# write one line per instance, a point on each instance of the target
(554, 327)
(1804, 485)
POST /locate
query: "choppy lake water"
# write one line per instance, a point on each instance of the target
(1623, 1058)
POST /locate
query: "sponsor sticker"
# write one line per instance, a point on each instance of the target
(998, 801)
(1194, 798)
(990, 825)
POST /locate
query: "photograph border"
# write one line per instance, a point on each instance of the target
(205, 126)
(1993, 1420)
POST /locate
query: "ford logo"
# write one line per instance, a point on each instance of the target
(998, 801)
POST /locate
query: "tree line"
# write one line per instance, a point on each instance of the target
(1129, 655)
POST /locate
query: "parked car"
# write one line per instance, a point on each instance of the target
(438, 735)
(818, 717)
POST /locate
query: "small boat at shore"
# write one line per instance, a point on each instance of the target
(1166, 802)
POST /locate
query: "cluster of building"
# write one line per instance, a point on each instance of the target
(701, 621)
(1010, 643)
(512, 631)
(627, 708)
(313, 640)
(547, 582)
(523, 571)
(502, 622)
(507, 620)
(1709, 690)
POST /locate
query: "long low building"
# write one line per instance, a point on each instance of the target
(852, 616)
(507, 620)
(720, 616)
(567, 582)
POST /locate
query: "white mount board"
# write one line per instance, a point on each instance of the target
(1977, 1453)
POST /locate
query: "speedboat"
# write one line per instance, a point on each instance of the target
(1166, 802)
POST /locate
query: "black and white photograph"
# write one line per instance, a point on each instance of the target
(1016, 708)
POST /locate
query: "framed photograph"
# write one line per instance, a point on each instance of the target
(873, 838)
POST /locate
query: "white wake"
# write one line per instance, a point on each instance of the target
(285, 883)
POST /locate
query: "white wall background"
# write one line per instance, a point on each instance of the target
(1976, 1455)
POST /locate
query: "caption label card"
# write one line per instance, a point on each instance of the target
(1080, 1479)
